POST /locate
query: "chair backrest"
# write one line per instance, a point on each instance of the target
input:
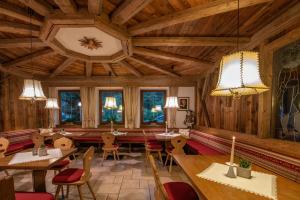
(56, 136)
(37, 140)
(87, 162)
(159, 186)
(4, 143)
(7, 190)
(178, 143)
(63, 143)
(145, 137)
(108, 140)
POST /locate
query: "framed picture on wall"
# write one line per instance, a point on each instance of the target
(184, 103)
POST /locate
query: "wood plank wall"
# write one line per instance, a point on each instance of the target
(225, 113)
(16, 114)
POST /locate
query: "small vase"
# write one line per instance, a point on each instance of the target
(244, 172)
(42, 152)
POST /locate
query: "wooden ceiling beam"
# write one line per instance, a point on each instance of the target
(285, 21)
(67, 6)
(27, 58)
(127, 10)
(62, 67)
(130, 68)
(190, 14)
(88, 69)
(95, 6)
(188, 41)
(13, 11)
(15, 72)
(152, 65)
(21, 43)
(108, 68)
(171, 56)
(12, 27)
(41, 7)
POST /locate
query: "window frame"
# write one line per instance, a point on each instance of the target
(60, 112)
(100, 107)
(142, 107)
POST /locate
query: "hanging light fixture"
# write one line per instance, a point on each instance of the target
(171, 102)
(110, 102)
(239, 73)
(32, 91)
(51, 103)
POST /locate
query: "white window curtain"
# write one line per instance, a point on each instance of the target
(131, 99)
(88, 106)
(53, 93)
(173, 91)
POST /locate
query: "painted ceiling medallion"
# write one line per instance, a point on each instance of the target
(90, 43)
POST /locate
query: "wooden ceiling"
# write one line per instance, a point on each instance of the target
(169, 37)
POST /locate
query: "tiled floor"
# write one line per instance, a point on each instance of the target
(128, 179)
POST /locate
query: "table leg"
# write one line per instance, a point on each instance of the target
(38, 177)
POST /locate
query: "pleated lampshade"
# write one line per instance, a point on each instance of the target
(51, 103)
(33, 91)
(110, 103)
(239, 75)
(171, 102)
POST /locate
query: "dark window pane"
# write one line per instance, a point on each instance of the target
(112, 114)
(153, 106)
(70, 106)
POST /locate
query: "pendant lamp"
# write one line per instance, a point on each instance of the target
(110, 102)
(51, 103)
(32, 91)
(239, 73)
(171, 102)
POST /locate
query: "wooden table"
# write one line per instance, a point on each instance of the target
(194, 164)
(165, 137)
(39, 168)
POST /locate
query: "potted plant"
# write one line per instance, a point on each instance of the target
(244, 169)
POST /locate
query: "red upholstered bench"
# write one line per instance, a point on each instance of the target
(201, 148)
(18, 140)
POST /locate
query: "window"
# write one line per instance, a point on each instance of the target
(152, 106)
(70, 107)
(117, 114)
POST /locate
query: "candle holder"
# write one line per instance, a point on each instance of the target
(230, 172)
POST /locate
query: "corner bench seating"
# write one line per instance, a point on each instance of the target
(18, 140)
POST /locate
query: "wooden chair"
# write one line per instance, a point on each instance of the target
(109, 146)
(4, 143)
(152, 147)
(171, 190)
(177, 148)
(75, 176)
(37, 140)
(63, 144)
(7, 192)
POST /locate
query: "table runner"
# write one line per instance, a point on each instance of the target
(24, 157)
(260, 183)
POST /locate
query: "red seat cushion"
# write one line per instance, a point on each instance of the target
(131, 139)
(202, 149)
(33, 196)
(14, 147)
(27, 144)
(154, 146)
(169, 149)
(180, 191)
(68, 176)
(61, 164)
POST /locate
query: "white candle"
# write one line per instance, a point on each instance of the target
(166, 126)
(232, 151)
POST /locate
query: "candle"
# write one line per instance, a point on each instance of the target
(166, 126)
(232, 151)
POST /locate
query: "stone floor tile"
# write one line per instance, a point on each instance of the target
(134, 194)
